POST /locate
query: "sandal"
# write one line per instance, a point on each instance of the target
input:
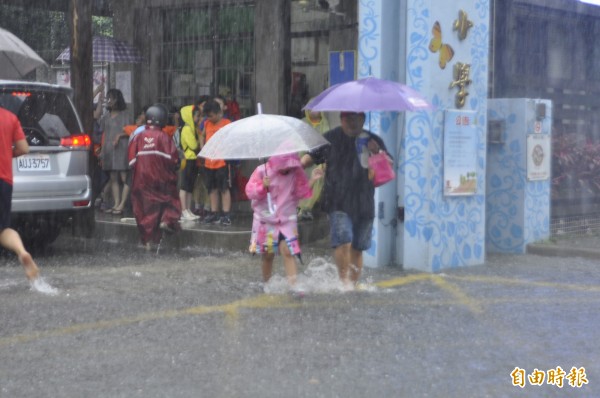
(117, 212)
(109, 211)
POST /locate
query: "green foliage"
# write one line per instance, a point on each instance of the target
(50, 34)
(46, 32)
(236, 20)
(102, 26)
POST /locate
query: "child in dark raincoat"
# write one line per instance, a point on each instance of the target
(275, 224)
(154, 162)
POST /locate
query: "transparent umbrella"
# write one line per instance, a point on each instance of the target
(262, 136)
(17, 59)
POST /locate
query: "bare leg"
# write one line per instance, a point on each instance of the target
(125, 192)
(188, 200)
(114, 186)
(214, 200)
(197, 192)
(10, 239)
(183, 200)
(226, 200)
(341, 255)
(106, 192)
(356, 264)
(289, 263)
(267, 266)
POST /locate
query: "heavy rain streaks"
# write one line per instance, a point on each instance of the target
(126, 322)
(505, 161)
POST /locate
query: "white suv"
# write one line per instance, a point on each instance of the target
(52, 184)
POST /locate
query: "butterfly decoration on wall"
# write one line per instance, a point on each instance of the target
(436, 46)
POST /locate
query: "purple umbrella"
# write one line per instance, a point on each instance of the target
(369, 94)
(108, 49)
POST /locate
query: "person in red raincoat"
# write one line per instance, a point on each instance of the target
(154, 163)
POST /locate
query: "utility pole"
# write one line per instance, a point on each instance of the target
(82, 73)
(80, 23)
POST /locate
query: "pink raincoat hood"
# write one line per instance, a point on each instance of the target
(282, 162)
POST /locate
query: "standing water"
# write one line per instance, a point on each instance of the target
(40, 285)
(320, 276)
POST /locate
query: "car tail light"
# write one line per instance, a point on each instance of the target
(81, 203)
(76, 141)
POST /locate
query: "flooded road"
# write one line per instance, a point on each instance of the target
(126, 323)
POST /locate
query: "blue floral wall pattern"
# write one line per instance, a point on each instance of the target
(441, 231)
(518, 210)
(378, 35)
(369, 38)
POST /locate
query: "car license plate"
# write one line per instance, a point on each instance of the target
(33, 163)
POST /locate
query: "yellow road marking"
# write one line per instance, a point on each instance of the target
(458, 294)
(405, 280)
(231, 310)
(454, 290)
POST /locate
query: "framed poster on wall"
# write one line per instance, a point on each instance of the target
(460, 153)
(538, 157)
(63, 75)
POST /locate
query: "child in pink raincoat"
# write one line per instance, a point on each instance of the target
(275, 221)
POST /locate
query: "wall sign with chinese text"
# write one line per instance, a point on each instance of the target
(460, 153)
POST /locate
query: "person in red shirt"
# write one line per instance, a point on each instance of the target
(218, 178)
(12, 144)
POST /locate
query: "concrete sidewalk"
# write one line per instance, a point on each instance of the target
(313, 236)
(585, 246)
(205, 237)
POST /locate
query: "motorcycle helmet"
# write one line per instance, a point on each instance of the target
(157, 115)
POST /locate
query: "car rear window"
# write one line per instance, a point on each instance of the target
(46, 117)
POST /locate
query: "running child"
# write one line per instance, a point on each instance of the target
(275, 224)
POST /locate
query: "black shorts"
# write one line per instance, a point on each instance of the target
(188, 175)
(217, 179)
(5, 204)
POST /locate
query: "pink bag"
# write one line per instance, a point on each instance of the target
(381, 167)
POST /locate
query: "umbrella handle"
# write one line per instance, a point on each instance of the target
(270, 203)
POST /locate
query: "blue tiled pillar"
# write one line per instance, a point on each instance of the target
(518, 208)
(395, 43)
